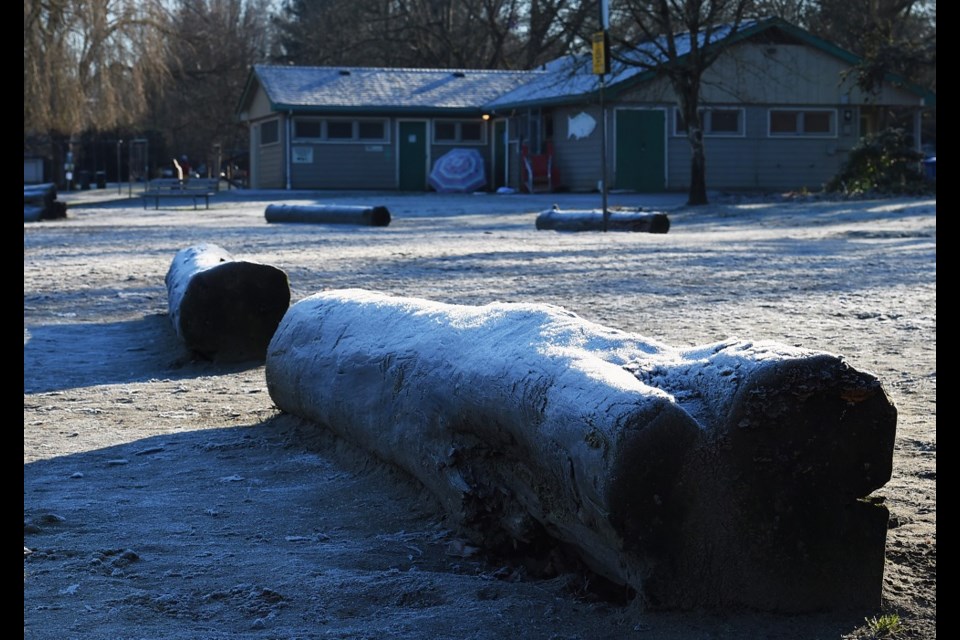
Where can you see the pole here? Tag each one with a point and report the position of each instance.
(601, 67)
(603, 156)
(119, 169)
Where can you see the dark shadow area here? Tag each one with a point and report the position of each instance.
(65, 356)
(219, 528)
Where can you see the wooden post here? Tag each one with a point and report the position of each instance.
(225, 309)
(733, 474)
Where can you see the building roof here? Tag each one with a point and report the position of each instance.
(571, 78)
(383, 90)
(566, 80)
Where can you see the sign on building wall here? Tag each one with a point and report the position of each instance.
(302, 155)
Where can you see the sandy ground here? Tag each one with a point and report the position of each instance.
(166, 497)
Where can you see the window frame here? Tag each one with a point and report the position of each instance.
(801, 123)
(706, 114)
(355, 129)
(275, 122)
(458, 131)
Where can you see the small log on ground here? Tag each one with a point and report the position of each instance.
(329, 214)
(733, 474)
(40, 203)
(222, 308)
(592, 220)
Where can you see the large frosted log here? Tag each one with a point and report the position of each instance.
(222, 308)
(328, 214)
(729, 474)
(646, 221)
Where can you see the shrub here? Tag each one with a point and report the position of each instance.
(884, 163)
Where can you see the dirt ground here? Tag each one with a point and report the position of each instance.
(166, 497)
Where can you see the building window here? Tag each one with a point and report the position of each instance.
(716, 122)
(803, 122)
(339, 130)
(471, 132)
(270, 132)
(375, 130)
(306, 129)
(458, 132)
(444, 131)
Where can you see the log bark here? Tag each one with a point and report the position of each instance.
(733, 474)
(644, 221)
(222, 308)
(329, 214)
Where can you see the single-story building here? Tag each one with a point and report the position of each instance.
(780, 112)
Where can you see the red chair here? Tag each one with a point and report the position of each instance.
(538, 172)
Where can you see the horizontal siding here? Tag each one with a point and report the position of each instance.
(271, 167)
(346, 166)
(776, 74)
(578, 159)
(759, 162)
(790, 74)
(259, 105)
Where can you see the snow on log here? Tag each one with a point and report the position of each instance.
(40, 203)
(225, 309)
(731, 474)
(648, 221)
(329, 214)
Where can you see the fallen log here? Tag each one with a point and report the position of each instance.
(328, 214)
(222, 308)
(733, 474)
(40, 203)
(592, 220)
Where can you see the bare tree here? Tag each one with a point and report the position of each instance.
(551, 28)
(209, 49)
(87, 63)
(470, 34)
(680, 39)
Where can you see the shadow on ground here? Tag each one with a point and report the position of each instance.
(66, 356)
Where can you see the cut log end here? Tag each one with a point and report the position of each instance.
(775, 509)
(229, 312)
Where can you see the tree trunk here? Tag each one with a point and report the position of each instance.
(698, 171)
(647, 221)
(225, 309)
(329, 214)
(724, 475)
(686, 84)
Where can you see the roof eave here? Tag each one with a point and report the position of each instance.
(386, 110)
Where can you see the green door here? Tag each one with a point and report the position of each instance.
(640, 159)
(413, 156)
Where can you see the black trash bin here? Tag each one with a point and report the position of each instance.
(101, 179)
(83, 179)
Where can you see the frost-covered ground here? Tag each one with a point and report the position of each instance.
(167, 498)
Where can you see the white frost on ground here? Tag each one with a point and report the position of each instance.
(105, 379)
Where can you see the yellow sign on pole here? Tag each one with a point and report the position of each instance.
(601, 59)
